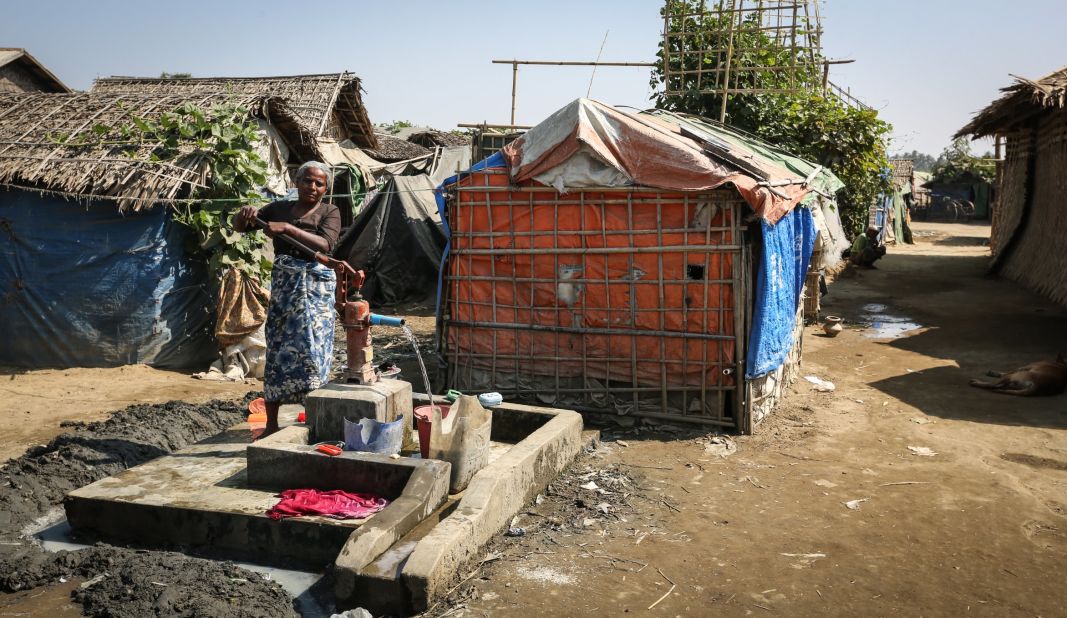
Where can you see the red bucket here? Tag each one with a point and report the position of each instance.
(424, 417)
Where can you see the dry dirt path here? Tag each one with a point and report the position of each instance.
(978, 529)
(34, 403)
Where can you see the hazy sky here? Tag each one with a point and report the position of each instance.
(926, 65)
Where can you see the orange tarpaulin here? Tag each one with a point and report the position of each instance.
(635, 286)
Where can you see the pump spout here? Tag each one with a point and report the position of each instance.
(385, 320)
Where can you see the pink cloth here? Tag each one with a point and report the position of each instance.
(335, 504)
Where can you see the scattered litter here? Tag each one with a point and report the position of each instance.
(622, 443)
(905, 483)
(95, 580)
(394, 456)
(922, 451)
(62, 580)
(539, 499)
(604, 508)
(823, 386)
(823, 483)
(909, 370)
(358, 612)
(918, 420)
(854, 505)
(588, 521)
(544, 575)
(720, 446)
(858, 400)
(516, 531)
(805, 556)
(591, 486)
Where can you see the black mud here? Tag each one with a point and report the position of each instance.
(124, 582)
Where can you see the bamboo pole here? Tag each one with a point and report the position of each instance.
(729, 60)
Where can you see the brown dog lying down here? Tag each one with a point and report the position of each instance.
(1040, 378)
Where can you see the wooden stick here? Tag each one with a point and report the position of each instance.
(668, 593)
(646, 467)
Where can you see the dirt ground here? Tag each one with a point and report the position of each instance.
(36, 402)
(828, 510)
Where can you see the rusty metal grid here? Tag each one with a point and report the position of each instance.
(537, 377)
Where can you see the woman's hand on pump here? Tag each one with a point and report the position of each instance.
(274, 228)
(246, 218)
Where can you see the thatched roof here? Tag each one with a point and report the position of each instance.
(431, 138)
(30, 64)
(48, 143)
(1023, 100)
(902, 172)
(392, 149)
(313, 97)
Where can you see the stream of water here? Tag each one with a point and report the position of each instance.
(418, 356)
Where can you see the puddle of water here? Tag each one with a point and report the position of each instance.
(881, 325)
(299, 584)
(53, 601)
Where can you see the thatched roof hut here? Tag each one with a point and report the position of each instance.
(47, 143)
(328, 105)
(392, 149)
(21, 72)
(1022, 102)
(1030, 216)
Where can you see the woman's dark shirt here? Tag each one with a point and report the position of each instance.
(324, 220)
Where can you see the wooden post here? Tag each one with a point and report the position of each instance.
(514, 81)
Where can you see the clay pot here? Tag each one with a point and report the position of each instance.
(831, 325)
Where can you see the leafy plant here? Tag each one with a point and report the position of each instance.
(850, 141)
(957, 163)
(392, 128)
(223, 137)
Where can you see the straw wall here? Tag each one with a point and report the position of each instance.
(1037, 259)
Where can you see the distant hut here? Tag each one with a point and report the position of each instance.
(93, 269)
(1030, 218)
(21, 72)
(890, 212)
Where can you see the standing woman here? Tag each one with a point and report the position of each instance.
(300, 320)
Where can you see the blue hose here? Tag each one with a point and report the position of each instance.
(385, 320)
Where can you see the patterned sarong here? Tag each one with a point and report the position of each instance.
(299, 330)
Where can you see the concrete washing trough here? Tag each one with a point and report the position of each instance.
(211, 498)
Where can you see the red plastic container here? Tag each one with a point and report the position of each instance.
(424, 418)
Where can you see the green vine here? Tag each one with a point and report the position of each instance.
(851, 141)
(225, 138)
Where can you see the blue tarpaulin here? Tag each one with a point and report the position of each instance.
(85, 286)
(493, 161)
(787, 248)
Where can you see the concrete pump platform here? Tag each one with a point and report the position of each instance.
(212, 498)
